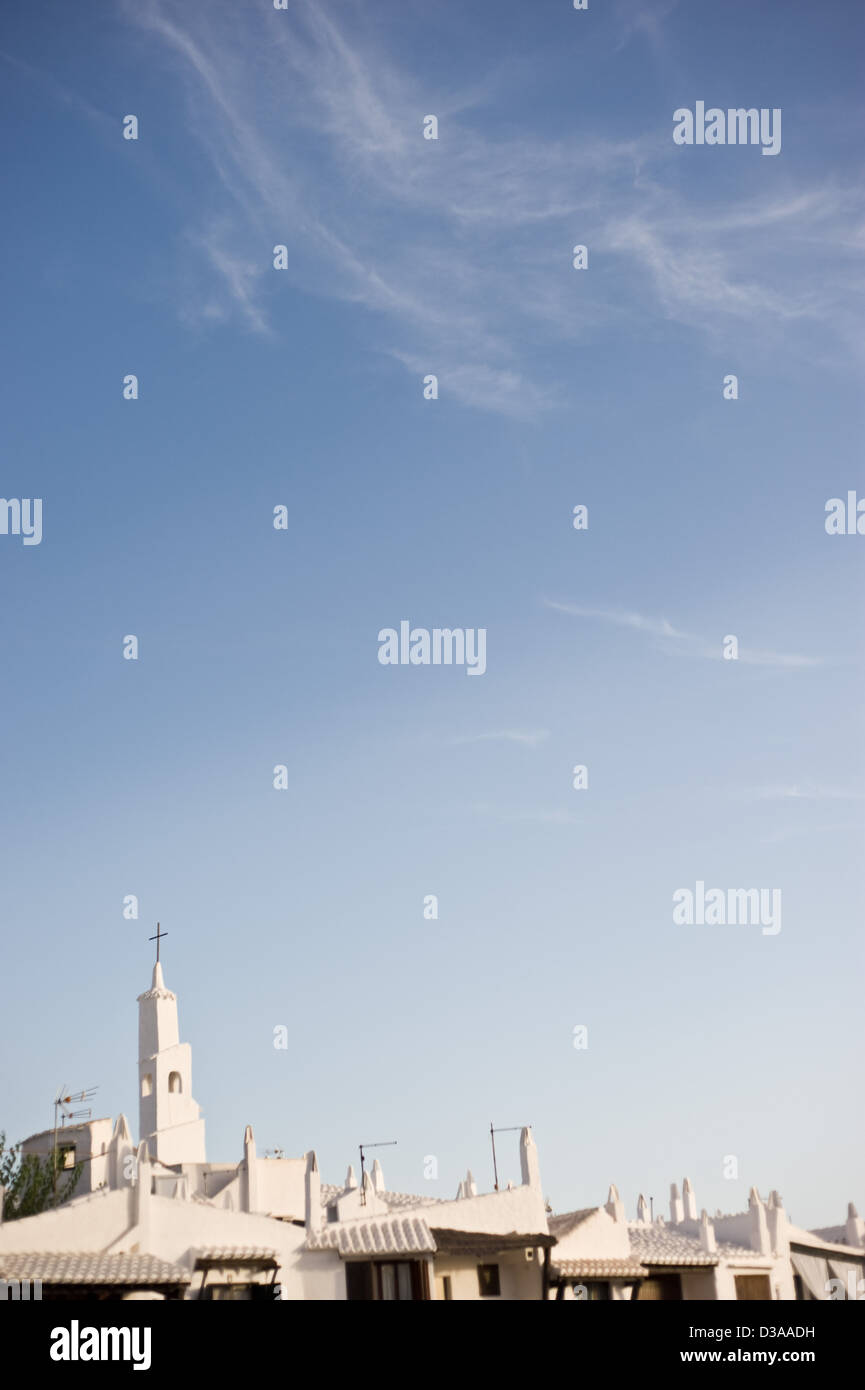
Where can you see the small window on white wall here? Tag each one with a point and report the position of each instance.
(147, 1085)
(174, 1082)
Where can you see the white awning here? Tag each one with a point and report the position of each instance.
(850, 1272)
(814, 1273)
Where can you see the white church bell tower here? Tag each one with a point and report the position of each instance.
(169, 1120)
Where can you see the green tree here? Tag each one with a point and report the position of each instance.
(29, 1181)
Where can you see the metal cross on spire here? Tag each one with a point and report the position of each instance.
(157, 938)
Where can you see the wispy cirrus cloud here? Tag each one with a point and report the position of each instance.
(458, 250)
(656, 627)
(661, 629)
(60, 91)
(754, 656)
(803, 792)
(750, 268)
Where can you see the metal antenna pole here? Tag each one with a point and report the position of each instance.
(506, 1129)
(54, 1150)
(61, 1103)
(384, 1144)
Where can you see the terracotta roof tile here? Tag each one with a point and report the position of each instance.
(385, 1235)
(77, 1267)
(567, 1220)
(598, 1269)
(236, 1254)
(451, 1242)
(662, 1245)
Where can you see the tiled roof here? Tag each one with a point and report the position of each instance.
(598, 1269)
(451, 1242)
(75, 1267)
(403, 1235)
(567, 1220)
(659, 1245)
(395, 1200)
(384, 1235)
(235, 1254)
(836, 1235)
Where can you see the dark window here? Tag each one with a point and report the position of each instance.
(265, 1293)
(233, 1292)
(595, 1291)
(447, 1290)
(402, 1281)
(389, 1289)
(488, 1281)
(663, 1287)
(359, 1281)
(752, 1287)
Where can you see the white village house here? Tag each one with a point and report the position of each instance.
(753, 1254)
(156, 1220)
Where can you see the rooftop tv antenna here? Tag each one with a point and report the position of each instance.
(504, 1129)
(383, 1144)
(63, 1103)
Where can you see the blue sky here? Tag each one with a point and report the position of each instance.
(259, 647)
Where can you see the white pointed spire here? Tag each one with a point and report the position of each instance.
(615, 1206)
(854, 1227)
(677, 1209)
(760, 1236)
(530, 1168)
(689, 1200)
(169, 1119)
(377, 1176)
(707, 1233)
(250, 1168)
(120, 1150)
(312, 1193)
